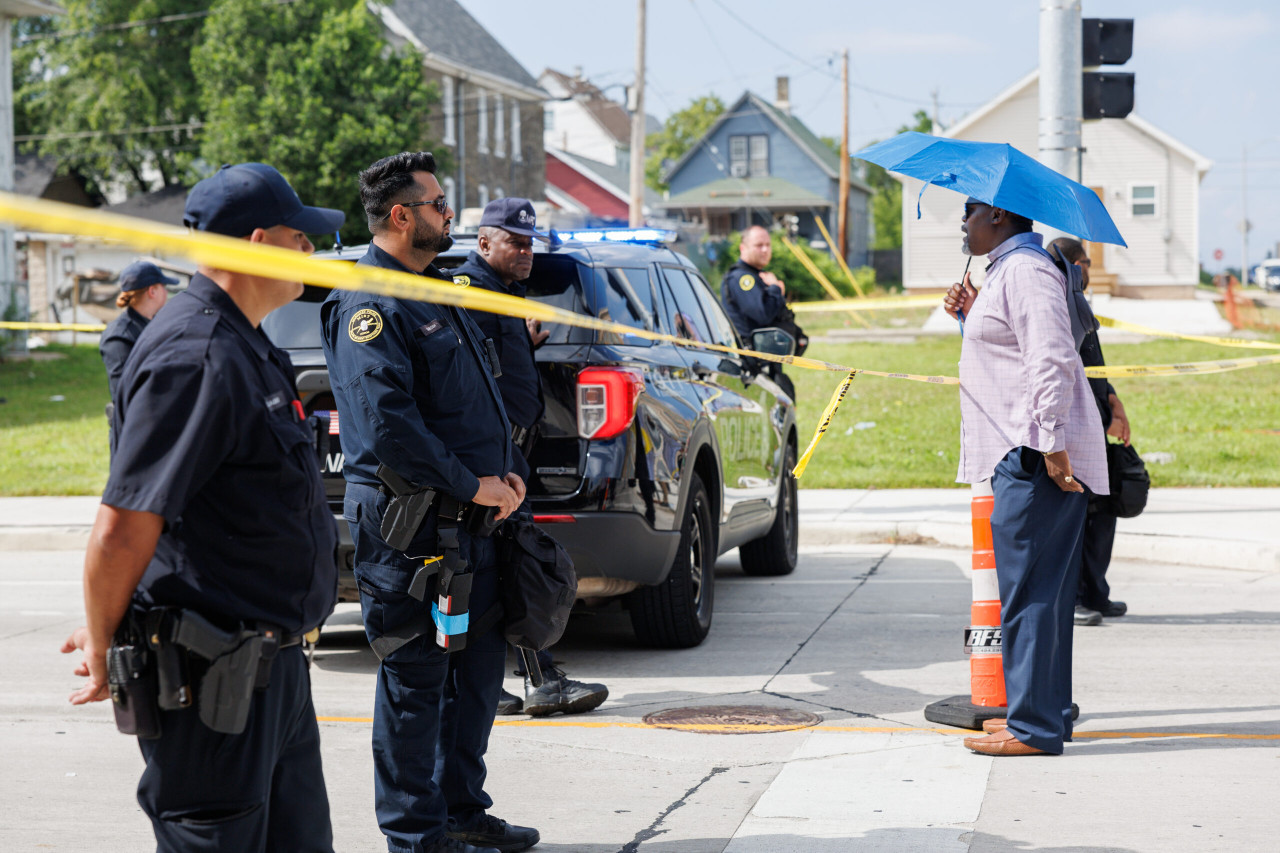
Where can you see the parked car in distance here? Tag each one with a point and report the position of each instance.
(651, 459)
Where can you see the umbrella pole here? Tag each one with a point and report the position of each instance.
(960, 312)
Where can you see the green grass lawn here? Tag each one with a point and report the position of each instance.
(1223, 430)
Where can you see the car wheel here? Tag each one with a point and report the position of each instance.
(775, 553)
(676, 614)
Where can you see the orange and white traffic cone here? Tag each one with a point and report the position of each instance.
(986, 699)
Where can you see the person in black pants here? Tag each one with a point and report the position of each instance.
(502, 260)
(1093, 597)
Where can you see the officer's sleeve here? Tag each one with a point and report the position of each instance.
(114, 353)
(374, 378)
(178, 426)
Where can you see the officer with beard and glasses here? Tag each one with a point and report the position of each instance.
(420, 411)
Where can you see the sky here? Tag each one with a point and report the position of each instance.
(1206, 73)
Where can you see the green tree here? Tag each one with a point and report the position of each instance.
(313, 89)
(886, 203)
(98, 94)
(680, 131)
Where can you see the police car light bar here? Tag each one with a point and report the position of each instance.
(618, 235)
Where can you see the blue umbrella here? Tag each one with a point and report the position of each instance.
(999, 175)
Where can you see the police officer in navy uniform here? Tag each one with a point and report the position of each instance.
(755, 299)
(416, 394)
(143, 292)
(502, 260)
(215, 504)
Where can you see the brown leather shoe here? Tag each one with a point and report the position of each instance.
(995, 724)
(1003, 743)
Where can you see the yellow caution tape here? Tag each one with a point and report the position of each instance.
(52, 327)
(823, 424)
(1187, 369)
(1204, 339)
(835, 253)
(830, 288)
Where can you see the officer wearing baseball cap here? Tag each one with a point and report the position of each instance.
(143, 292)
(503, 259)
(214, 514)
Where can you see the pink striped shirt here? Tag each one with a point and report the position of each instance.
(1021, 380)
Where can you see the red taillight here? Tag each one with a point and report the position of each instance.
(553, 519)
(607, 400)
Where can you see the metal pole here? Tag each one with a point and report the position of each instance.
(636, 212)
(8, 287)
(1244, 216)
(842, 215)
(1061, 100)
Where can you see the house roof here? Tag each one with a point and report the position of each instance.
(612, 178)
(610, 115)
(32, 174)
(452, 40)
(166, 205)
(745, 192)
(1202, 163)
(796, 130)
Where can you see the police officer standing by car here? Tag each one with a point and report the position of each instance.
(214, 534)
(502, 260)
(755, 299)
(420, 411)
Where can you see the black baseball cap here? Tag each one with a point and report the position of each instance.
(140, 274)
(514, 215)
(237, 199)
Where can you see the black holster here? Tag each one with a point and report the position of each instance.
(132, 678)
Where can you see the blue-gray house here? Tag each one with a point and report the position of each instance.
(760, 165)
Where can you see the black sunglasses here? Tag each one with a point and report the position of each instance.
(441, 205)
(971, 206)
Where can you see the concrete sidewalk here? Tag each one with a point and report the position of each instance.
(1222, 528)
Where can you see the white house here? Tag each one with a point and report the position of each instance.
(1149, 182)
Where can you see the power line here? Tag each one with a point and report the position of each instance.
(126, 131)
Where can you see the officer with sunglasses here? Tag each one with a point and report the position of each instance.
(416, 396)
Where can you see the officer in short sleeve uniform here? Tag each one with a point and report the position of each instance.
(415, 392)
(211, 437)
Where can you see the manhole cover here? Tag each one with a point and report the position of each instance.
(732, 719)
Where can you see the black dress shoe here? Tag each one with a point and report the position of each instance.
(1113, 608)
(508, 704)
(1087, 616)
(561, 693)
(488, 832)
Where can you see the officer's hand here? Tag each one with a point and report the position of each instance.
(536, 334)
(960, 298)
(1119, 420)
(495, 492)
(514, 481)
(1059, 468)
(76, 642)
(773, 281)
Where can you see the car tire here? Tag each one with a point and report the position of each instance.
(676, 614)
(776, 553)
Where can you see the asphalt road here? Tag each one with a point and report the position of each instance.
(1178, 745)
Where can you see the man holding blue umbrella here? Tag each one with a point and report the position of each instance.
(1028, 423)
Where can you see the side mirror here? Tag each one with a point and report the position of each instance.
(773, 341)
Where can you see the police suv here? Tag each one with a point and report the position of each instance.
(651, 459)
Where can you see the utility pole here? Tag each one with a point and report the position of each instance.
(1244, 216)
(842, 216)
(1061, 98)
(636, 215)
(935, 125)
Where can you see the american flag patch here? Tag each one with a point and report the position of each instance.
(333, 422)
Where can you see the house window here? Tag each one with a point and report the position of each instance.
(446, 104)
(517, 154)
(483, 190)
(760, 156)
(482, 135)
(450, 192)
(548, 119)
(499, 128)
(1142, 199)
(738, 165)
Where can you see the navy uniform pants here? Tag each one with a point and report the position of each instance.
(426, 699)
(1099, 536)
(1036, 531)
(261, 790)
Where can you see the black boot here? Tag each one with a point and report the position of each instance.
(561, 693)
(490, 832)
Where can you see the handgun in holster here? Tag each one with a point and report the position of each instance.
(406, 511)
(239, 660)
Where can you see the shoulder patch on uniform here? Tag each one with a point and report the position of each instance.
(462, 280)
(366, 324)
(747, 282)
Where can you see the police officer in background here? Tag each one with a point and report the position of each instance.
(215, 506)
(755, 299)
(502, 260)
(143, 292)
(416, 396)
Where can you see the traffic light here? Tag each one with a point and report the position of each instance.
(1106, 41)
